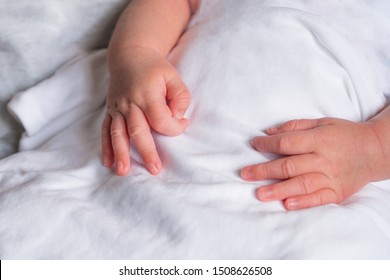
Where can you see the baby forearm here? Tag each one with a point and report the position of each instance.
(153, 24)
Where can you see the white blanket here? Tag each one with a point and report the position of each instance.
(249, 65)
(37, 37)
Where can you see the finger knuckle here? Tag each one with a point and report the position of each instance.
(305, 184)
(288, 168)
(328, 196)
(284, 145)
(292, 124)
(136, 130)
(116, 132)
(122, 105)
(321, 199)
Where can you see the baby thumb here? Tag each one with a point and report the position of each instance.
(178, 97)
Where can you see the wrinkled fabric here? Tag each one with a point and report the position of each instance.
(248, 66)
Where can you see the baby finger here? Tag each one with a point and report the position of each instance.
(301, 185)
(320, 197)
(141, 136)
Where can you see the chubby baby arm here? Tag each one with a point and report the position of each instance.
(145, 91)
(326, 160)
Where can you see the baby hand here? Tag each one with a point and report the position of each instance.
(145, 92)
(327, 160)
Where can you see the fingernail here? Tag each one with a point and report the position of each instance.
(247, 174)
(253, 142)
(120, 167)
(292, 203)
(265, 194)
(154, 168)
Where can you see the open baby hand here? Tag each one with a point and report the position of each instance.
(327, 160)
(145, 92)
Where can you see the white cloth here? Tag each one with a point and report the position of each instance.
(248, 67)
(79, 83)
(39, 36)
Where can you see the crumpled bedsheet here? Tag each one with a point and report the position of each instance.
(39, 36)
(249, 67)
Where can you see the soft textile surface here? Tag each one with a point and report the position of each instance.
(249, 65)
(38, 36)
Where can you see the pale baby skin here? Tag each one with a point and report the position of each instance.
(326, 160)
